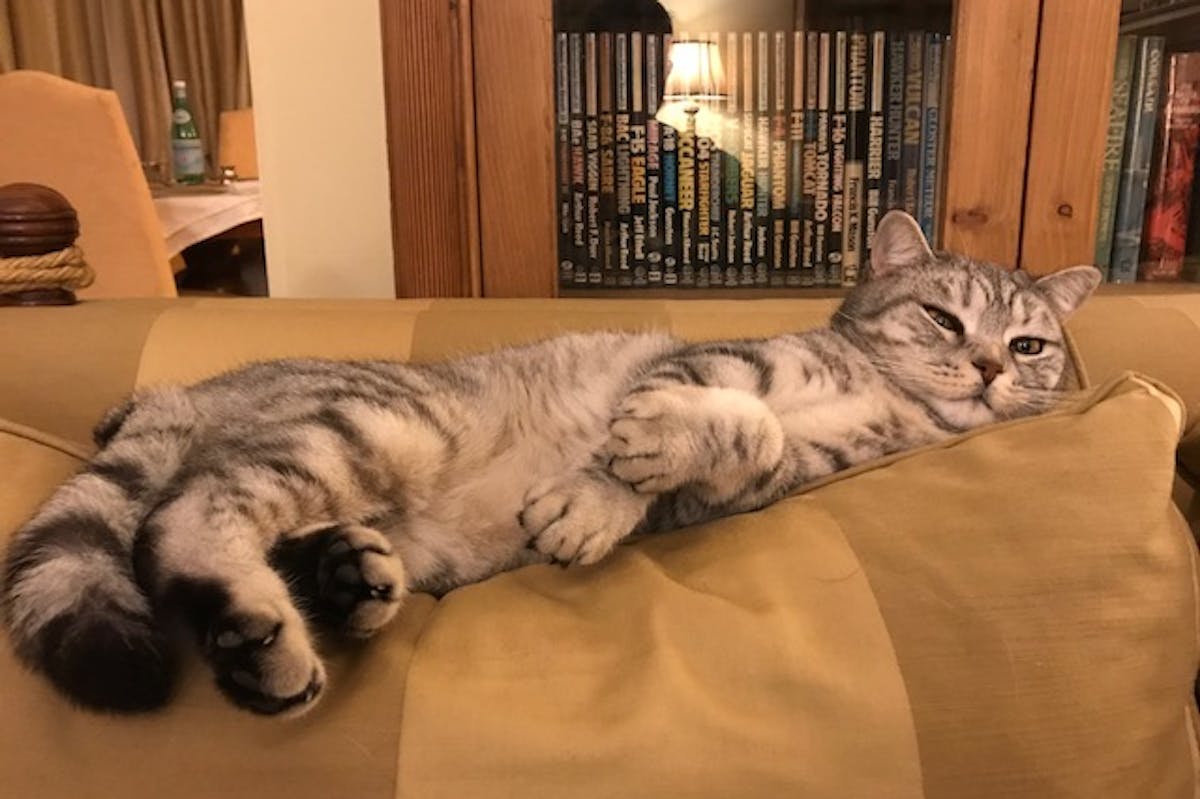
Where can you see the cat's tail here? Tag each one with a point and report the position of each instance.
(69, 598)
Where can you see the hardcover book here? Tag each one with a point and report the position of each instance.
(624, 167)
(591, 138)
(654, 195)
(748, 192)
(608, 165)
(837, 159)
(637, 156)
(875, 140)
(562, 102)
(1114, 145)
(930, 145)
(578, 161)
(914, 118)
(762, 161)
(808, 251)
(1170, 190)
(854, 191)
(779, 160)
(893, 130)
(796, 160)
(1135, 162)
(671, 249)
(821, 194)
(731, 171)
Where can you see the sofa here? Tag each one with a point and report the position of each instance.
(1012, 613)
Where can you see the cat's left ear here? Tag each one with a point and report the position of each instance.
(1066, 289)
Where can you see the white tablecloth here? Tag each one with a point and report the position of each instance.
(190, 215)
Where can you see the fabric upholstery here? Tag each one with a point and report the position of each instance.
(75, 139)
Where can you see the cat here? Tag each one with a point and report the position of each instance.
(292, 491)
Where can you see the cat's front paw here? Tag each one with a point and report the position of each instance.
(264, 660)
(651, 445)
(580, 519)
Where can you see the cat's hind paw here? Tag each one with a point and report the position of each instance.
(579, 520)
(360, 581)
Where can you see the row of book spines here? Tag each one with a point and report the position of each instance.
(1143, 208)
(796, 205)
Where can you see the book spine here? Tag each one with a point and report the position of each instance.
(1170, 192)
(704, 254)
(747, 193)
(1135, 167)
(875, 143)
(731, 171)
(808, 244)
(1114, 140)
(853, 240)
(779, 275)
(578, 162)
(654, 192)
(716, 186)
(608, 169)
(762, 161)
(591, 108)
(893, 126)
(931, 118)
(837, 159)
(562, 102)
(670, 192)
(796, 161)
(910, 154)
(624, 168)
(637, 155)
(821, 194)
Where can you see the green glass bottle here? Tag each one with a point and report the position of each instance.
(187, 151)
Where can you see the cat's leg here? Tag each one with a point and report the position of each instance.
(204, 560)
(721, 443)
(345, 575)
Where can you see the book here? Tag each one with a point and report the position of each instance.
(731, 170)
(624, 169)
(854, 191)
(1114, 141)
(893, 128)
(876, 93)
(779, 160)
(931, 121)
(762, 161)
(808, 243)
(703, 212)
(670, 193)
(654, 193)
(796, 163)
(1169, 193)
(591, 138)
(716, 186)
(578, 159)
(837, 158)
(608, 172)
(821, 190)
(562, 103)
(910, 152)
(1135, 160)
(747, 193)
(637, 156)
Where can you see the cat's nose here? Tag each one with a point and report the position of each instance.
(988, 369)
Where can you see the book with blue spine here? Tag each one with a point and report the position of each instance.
(1135, 169)
(930, 135)
(670, 192)
(914, 118)
(1114, 148)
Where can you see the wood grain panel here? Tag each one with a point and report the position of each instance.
(514, 107)
(1070, 117)
(994, 46)
(426, 44)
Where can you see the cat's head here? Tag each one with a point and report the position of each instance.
(979, 341)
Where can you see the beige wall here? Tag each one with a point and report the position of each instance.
(317, 76)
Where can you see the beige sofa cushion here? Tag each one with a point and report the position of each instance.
(947, 623)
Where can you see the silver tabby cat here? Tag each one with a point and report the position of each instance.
(290, 492)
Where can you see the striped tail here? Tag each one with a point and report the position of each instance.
(69, 599)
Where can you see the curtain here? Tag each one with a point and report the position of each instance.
(136, 48)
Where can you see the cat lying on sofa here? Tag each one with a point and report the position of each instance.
(297, 490)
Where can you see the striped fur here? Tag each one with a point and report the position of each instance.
(257, 502)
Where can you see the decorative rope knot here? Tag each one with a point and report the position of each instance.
(61, 269)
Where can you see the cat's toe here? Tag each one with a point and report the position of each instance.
(360, 581)
(579, 521)
(265, 663)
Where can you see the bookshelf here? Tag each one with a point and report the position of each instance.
(1025, 108)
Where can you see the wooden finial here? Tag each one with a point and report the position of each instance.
(35, 220)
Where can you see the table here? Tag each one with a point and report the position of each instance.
(191, 214)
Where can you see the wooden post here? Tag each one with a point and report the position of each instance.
(35, 220)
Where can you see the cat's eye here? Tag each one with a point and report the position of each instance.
(1026, 345)
(944, 319)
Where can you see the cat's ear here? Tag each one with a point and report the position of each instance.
(1066, 289)
(898, 243)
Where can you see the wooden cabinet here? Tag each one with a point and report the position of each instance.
(470, 90)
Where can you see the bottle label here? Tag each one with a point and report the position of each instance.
(180, 116)
(188, 157)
